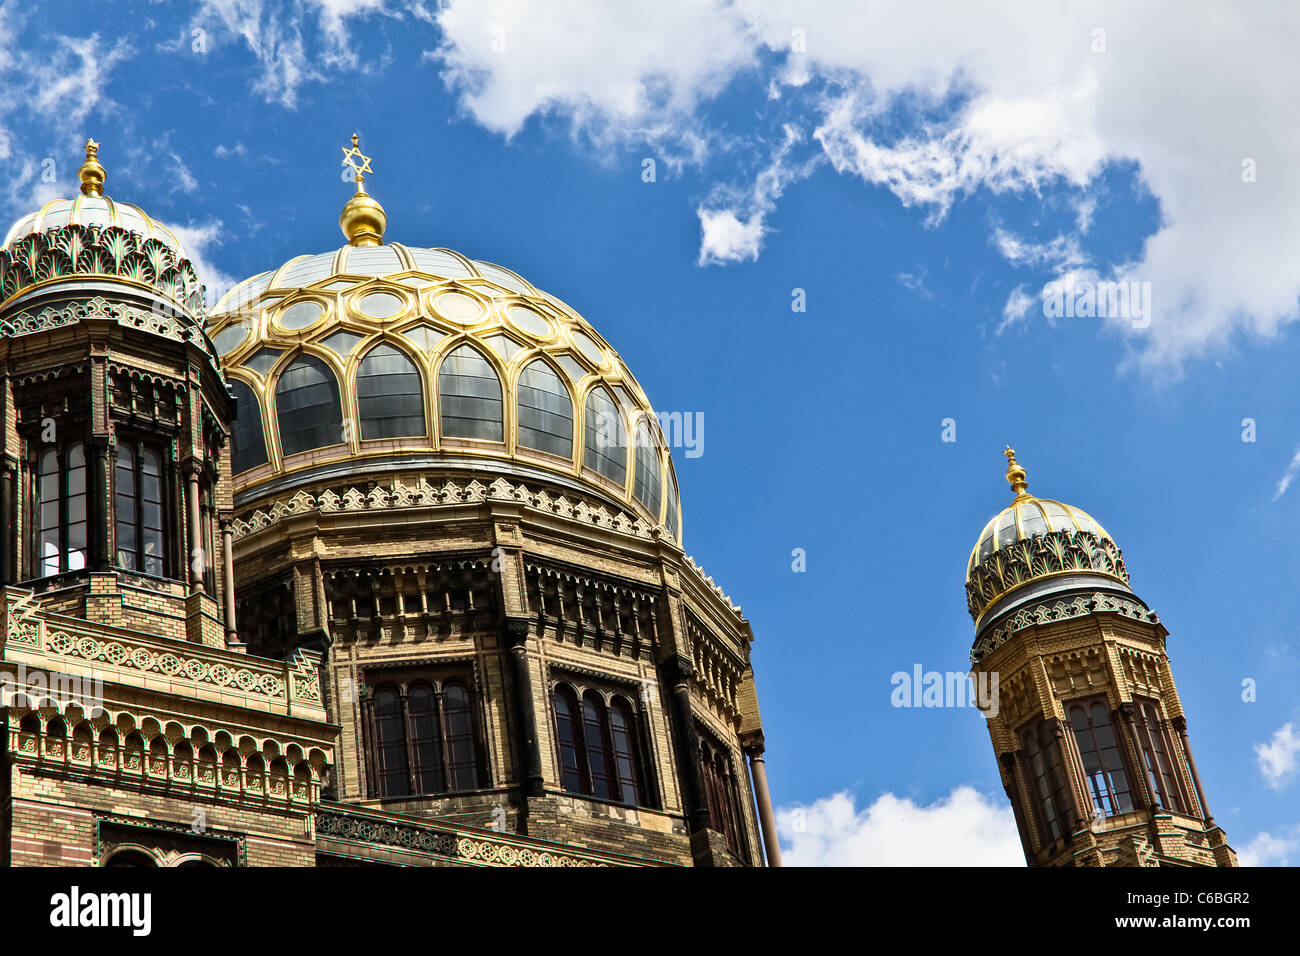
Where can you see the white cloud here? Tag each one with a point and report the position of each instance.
(962, 829)
(1288, 476)
(1279, 758)
(1017, 308)
(1020, 99)
(1269, 850)
(197, 241)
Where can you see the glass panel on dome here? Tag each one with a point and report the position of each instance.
(305, 270)
(986, 547)
(589, 349)
(376, 261)
(458, 307)
(670, 517)
(567, 362)
(262, 362)
(307, 406)
(505, 346)
(1057, 517)
(342, 343)
(545, 411)
(1031, 520)
(339, 284)
(438, 262)
(380, 305)
(248, 444)
(57, 217)
(229, 339)
(301, 314)
(425, 336)
(529, 321)
(1006, 528)
(503, 278)
(646, 486)
(390, 394)
(605, 437)
(94, 211)
(469, 396)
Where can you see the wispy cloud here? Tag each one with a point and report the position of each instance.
(1268, 849)
(1279, 759)
(1288, 476)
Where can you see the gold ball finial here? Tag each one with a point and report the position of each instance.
(1015, 473)
(362, 220)
(91, 174)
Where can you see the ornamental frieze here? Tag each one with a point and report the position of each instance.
(1030, 558)
(1060, 610)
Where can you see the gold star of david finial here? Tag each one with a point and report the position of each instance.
(351, 157)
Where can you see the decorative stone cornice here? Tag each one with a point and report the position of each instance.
(1060, 610)
(77, 251)
(1036, 557)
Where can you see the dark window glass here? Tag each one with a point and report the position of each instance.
(469, 396)
(126, 509)
(1043, 764)
(151, 512)
(720, 794)
(627, 759)
(76, 507)
(307, 406)
(545, 411)
(1157, 756)
(1099, 749)
(60, 510)
(670, 514)
(390, 745)
(646, 487)
(247, 442)
(571, 769)
(462, 751)
(138, 513)
(605, 438)
(426, 740)
(595, 730)
(390, 394)
(49, 478)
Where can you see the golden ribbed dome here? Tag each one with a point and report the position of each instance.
(1033, 539)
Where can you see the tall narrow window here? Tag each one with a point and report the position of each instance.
(60, 506)
(469, 396)
(1154, 742)
(598, 745)
(1047, 780)
(390, 394)
(426, 738)
(720, 792)
(647, 484)
(572, 771)
(247, 443)
(545, 411)
(605, 437)
(307, 406)
(1102, 765)
(138, 509)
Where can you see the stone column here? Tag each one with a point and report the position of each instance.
(196, 529)
(521, 689)
(766, 818)
(1180, 725)
(228, 567)
(678, 670)
(8, 524)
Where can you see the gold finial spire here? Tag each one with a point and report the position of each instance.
(91, 174)
(1016, 473)
(363, 220)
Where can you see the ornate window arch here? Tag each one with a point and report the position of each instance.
(598, 736)
(648, 482)
(722, 793)
(59, 502)
(545, 410)
(605, 436)
(469, 396)
(390, 394)
(307, 406)
(247, 440)
(140, 509)
(1099, 749)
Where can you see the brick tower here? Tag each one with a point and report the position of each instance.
(1088, 730)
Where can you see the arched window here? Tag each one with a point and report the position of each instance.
(1046, 781)
(670, 513)
(390, 749)
(138, 510)
(60, 511)
(599, 748)
(572, 767)
(1158, 755)
(469, 396)
(720, 791)
(247, 442)
(606, 437)
(426, 739)
(647, 483)
(1102, 766)
(307, 406)
(545, 411)
(390, 394)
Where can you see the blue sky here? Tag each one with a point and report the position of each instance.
(920, 177)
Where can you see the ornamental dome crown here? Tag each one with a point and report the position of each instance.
(380, 357)
(1037, 546)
